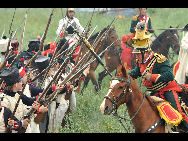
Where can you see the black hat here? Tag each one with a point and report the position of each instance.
(42, 62)
(27, 55)
(34, 44)
(11, 75)
(61, 59)
(62, 42)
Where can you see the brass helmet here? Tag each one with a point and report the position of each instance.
(70, 9)
(141, 40)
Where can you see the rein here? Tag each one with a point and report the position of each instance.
(108, 38)
(125, 91)
(173, 45)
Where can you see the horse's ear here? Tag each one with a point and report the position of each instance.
(177, 26)
(113, 27)
(124, 71)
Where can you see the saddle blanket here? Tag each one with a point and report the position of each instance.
(126, 56)
(169, 114)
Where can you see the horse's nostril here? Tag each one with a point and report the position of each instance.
(106, 108)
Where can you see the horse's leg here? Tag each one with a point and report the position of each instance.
(86, 80)
(93, 79)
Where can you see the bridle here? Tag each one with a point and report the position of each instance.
(170, 40)
(125, 92)
(172, 45)
(108, 39)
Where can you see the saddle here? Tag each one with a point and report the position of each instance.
(168, 113)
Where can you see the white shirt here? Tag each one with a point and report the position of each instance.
(63, 23)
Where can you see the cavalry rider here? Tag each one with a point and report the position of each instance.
(156, 71)
(127, 57)
(141, 17)
(68, 24)
(138, 18)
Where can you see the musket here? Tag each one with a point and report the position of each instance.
(67, 79)
(51, 82)
(10, 34)
(15, 59)
(6, 59)
(70, 77)
(89, 24)
(17, 103)
(87, 64)
(56, 78)
(22, 37)
(108, 28)
(44, 33)
(183, 29)
(43, 93)
(82, 47)
(92, 51)
(56, 58)
(18, 28)
(40, 49)
(48, 68)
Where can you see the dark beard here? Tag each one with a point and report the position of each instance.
(69, 17)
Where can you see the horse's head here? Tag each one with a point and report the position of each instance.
(118, 92)
(173, 40)
(111, 37)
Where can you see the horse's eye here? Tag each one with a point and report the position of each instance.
(112, 37)
(121, 87)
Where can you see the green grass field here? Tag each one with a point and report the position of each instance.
(88, 117)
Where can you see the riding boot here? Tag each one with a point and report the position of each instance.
(172, 97)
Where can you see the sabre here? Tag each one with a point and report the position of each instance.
(183, 29)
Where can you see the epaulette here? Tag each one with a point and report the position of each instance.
(149, 18)
(160, 58)
(135, 18)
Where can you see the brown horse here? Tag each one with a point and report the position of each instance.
(167, 39)
(141, 108)
(160, 45)
(106, 40)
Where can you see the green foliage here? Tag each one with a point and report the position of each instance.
(88, 117)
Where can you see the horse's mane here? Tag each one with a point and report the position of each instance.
(156, 43)
(151, 101)
(96, 34)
